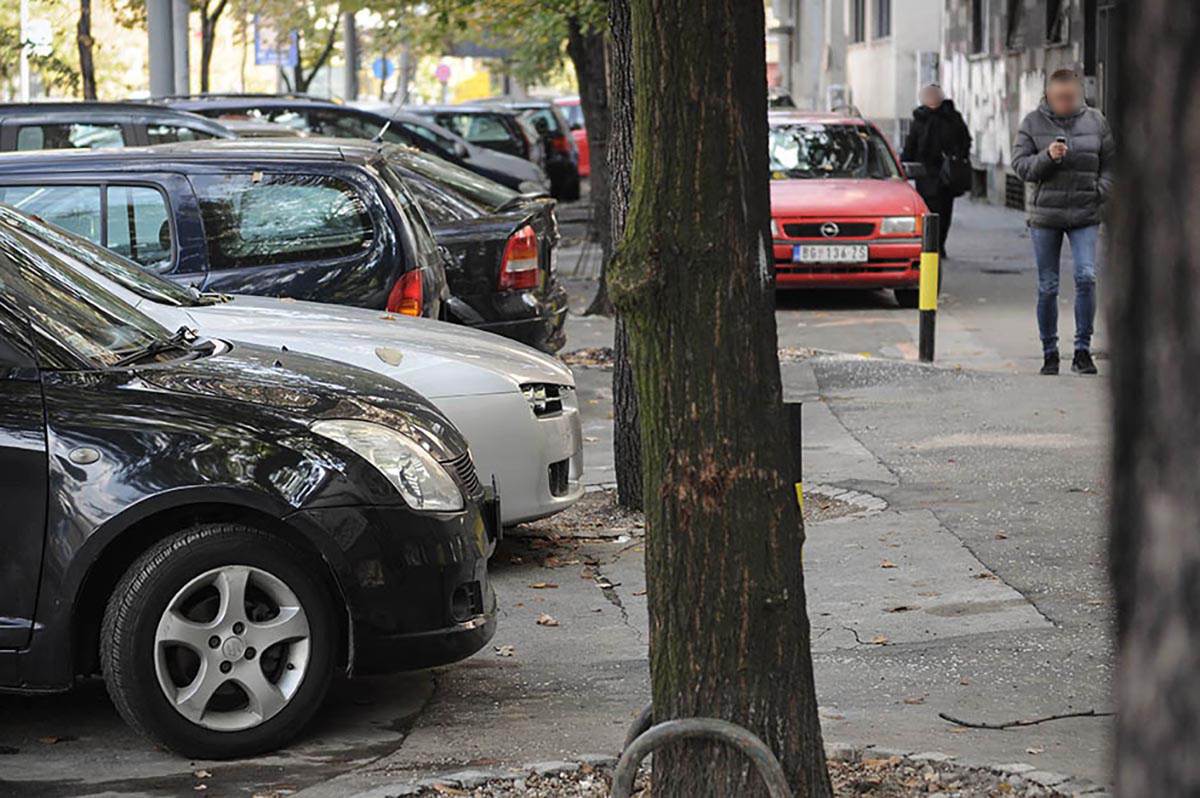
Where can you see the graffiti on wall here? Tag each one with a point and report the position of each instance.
(992, 105)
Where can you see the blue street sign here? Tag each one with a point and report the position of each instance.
(383, 68)
(270, 49)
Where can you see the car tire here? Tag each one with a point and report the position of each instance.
(907, 297)
(186, 668)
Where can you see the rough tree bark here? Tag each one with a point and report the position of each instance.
(83, 38)
(586, 49)
(208, 30)
(729, 633)
(1155, 274)
(627, 438)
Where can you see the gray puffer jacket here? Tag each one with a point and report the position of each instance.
(1070, 193)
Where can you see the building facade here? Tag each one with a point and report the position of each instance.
(995, 57)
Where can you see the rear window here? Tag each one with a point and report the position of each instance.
(543, 120)
(478, 189)
(258, 219)
(574, 115)
(69, 136)
(476, 128)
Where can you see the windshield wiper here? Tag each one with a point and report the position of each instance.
(183, 338)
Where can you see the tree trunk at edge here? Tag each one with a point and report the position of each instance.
(83, 38)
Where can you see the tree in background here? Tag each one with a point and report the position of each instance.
(1155, 547)
(729, 633)
(83, 38)
(210, 12)
(55, 70)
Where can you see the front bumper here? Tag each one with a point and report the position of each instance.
(526, 454)
(416, 584)
(889, 265)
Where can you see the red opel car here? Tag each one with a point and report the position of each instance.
(573, 111)
(843, 214)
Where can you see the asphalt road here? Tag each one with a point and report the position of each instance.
(974, 585)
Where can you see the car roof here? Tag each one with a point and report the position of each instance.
(217, 150)
(221, 102)
(77, 109)
(794, 117)
(465, 108)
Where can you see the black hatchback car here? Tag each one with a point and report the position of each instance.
(217, 528)
(562, 156)
(86, 125)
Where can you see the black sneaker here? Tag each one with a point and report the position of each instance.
(1082, 364)
(1050, 364)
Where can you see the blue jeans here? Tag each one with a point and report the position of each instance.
(1047, 251)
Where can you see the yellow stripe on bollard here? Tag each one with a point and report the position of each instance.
(927, 299)
(800, 495)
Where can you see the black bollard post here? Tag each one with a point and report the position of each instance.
(928, 296)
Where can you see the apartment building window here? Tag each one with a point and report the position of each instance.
(883, 19)
(978, 26)
(858, 20)
(1014, 36)
(1057, 21)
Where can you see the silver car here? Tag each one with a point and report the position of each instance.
(515, 405)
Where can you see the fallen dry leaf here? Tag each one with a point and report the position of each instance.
(543, 586)
(916, 699)
(902, 608)
(964, 680)
(201, 774)
(1035, 751)
(887, 564)
(1001, 536)
(505, 651)
(639, 592)
(545, 619)
(880, 640)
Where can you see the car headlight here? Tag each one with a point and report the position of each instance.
(421, 480)
(899, 224)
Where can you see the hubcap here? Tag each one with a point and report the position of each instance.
(232, 648)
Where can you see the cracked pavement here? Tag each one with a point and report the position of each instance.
(980, 591)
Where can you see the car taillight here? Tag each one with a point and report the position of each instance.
(406, 295)
(560, 144)
(519, 266)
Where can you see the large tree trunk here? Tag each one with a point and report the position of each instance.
(1155, 274)
(83, 38)
(627, 437)
(729, 633)
(586, 49)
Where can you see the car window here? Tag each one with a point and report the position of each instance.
(829, 151)
(74, 208)
(138, 226)
(574, 115)
(257, 219)
(476, 128)
(167, 134)
(479, 190)
(429, 134)
(543, 120)
(64, 311)
(441, 205)
(69, 136)
(412, 215)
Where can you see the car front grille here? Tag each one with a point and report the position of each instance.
(545, 398)
(464, 469)
(813, 229)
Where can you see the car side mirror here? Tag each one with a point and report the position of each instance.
(914, 170)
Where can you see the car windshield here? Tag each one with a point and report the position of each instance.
(83, 254)
(486, 193)
(829, 151)
(64, 311)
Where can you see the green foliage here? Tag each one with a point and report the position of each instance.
(58, 70)
(533, 31)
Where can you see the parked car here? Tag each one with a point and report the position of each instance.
(217, 527)
(502, 269)
(572, 110)
(86, 125)
(512, 171)
(317, 117)
(298, 219)
(517, 407)
(491, 127)
(258, 129)
(562, 158)
(842, 213)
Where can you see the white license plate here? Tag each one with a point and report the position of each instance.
(829, 253)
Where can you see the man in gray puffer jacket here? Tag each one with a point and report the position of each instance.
(1066, 151)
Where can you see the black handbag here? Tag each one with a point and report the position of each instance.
(956, 175)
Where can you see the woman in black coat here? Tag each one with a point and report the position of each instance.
(937, 130)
